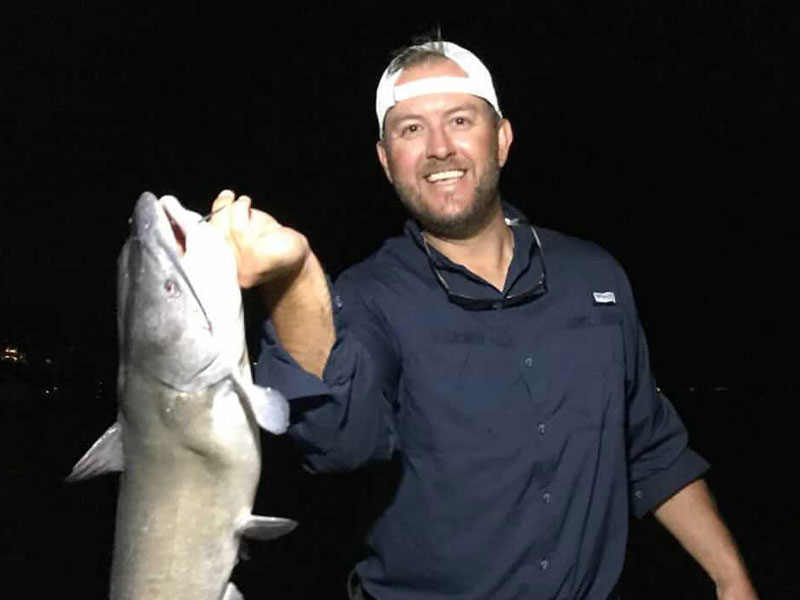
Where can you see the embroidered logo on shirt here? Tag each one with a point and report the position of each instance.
(604, 298)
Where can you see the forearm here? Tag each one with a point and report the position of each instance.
(692, 517)
(279, 262)
(300, 308)
(347, 420)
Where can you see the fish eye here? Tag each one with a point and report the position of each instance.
(172, 289)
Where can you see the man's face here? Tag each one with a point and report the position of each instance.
(443, 154)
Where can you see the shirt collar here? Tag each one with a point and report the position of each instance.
(520, 274)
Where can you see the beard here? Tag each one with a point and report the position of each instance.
(463, 224)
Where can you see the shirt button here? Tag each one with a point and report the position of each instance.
(639, 494)
(542, 428)
(529, 362)
(547, 497)
(543, 564)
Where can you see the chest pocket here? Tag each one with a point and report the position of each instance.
(582, 371)
(464, 390)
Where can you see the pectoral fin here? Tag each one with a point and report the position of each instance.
(232, 593)
(104, 456)
(266, 528)
(270, 408)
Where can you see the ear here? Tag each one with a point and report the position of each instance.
(384, 160)
(505, 135)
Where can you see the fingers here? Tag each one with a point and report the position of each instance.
(239, 214)
(220, 217)
(262, 247)
(224, 198)
(234, 216)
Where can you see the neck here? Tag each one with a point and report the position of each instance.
(487, 253)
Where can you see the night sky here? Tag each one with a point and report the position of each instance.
(666, 132)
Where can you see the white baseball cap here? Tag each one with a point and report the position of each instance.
(478, 81)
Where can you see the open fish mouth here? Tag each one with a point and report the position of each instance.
(178, 232)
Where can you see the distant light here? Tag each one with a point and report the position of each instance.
(12, 354)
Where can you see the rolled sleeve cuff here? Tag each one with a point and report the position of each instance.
(276, 368)
(651, 491)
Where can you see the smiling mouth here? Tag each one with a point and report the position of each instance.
(445, 176)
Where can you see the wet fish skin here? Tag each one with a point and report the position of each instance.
(187, 432)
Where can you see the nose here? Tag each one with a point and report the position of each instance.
(439, 143)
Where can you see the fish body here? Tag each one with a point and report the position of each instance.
(187, 432)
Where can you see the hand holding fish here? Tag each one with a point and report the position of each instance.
(264, 249)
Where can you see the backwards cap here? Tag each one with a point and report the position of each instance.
(478, 81)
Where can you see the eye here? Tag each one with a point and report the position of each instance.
(172, 289)
(461, 122)
(410, 129)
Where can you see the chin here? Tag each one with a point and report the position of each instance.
(456, 220)
(453, 216)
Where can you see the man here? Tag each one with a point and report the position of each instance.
(502, 364)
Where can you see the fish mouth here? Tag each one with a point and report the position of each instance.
(177, 231)
(161, 222)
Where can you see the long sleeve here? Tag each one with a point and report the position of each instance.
(660, 461)
(345, 419)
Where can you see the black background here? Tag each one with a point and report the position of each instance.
(666, 132)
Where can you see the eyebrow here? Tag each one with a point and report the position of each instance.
(414, 116)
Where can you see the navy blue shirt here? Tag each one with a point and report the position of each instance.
(527, 433)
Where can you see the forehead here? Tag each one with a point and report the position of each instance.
(431, 103)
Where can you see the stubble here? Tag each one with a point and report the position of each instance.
(460, 224)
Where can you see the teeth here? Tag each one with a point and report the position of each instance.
(434, 177)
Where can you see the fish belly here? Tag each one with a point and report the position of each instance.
(176, 530)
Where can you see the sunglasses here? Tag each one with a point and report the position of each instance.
(472, 303)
